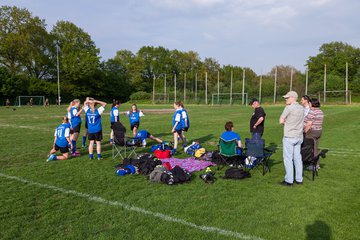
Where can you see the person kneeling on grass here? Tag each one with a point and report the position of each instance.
(61, 141)
(142, 135)
(93, 116)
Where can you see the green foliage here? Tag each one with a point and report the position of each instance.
(140, 96)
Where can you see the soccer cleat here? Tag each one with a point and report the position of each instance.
(52, 158)
(173, 152)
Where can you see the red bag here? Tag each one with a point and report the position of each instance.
(162, 154)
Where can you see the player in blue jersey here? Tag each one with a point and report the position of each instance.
(185, 121)
(229, 135)
(134, 116)
(177, 124)
(61, 141)
(114, 117)
(142, 135)
(93, 116)
(74, 117)
(83, 145)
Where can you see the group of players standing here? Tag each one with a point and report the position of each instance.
(67, 133)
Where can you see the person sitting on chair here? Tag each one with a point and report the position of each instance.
(142, 135)
(229, 134)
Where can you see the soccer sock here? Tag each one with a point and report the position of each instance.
(184, 143)
(99, 155)
(91, 156)
(74, 146)
(84, 140)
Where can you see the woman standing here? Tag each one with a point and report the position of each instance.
(313, 125)
(93, 116)
(74, 112)
(114, 117)
(134, 116)
(177, 123)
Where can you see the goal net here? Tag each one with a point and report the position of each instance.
(341, 96)
(29, 101)
(227, 98)
(161, 98)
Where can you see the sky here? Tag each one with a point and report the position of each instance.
(259, 34)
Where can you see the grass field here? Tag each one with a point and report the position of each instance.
(84, 199)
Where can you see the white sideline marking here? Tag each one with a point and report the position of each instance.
(134, 209)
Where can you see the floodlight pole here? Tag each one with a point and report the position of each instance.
(58, 72)
(164, 88)
(231, 86)
(260, 88)
(275, 79)
(218, 87)
(291, 79)
(175, 88)
(184, 87)
(195, 87)
(306, 81)
(347, 84)
(206, 100)
(324, 84)
(243, 88)
(153, 88)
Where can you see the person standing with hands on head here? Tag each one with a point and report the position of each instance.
(93, 116)
(114, 117)
(257, 120)
(293, 119)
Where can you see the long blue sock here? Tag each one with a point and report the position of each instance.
(74, 146)
(84, 141)
(91, 156)
(99, 155)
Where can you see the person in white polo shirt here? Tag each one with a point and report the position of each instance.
(293, 119)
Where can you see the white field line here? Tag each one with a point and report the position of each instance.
(134, 209)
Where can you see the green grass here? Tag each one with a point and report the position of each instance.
(327, 208)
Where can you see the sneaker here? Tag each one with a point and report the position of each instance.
(84, 147)
(298, 183)
(74, 155)
(173, 152)
(284, 183)
(51, 158)
(91, 158)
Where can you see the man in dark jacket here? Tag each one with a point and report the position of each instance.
(257, 120)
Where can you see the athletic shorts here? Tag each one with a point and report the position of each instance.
(86, 126)
(62, 149)
(136, 124)
(75, 129)
(95, 136)
(179, 131)
(111, 125)
(185, 129)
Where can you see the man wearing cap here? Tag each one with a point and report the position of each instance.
(257, 120)
(293, 119)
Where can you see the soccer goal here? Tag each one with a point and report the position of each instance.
(341, 96)
(161, 98)
(29, 101)
(227, 98)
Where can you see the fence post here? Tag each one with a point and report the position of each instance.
(206, 100)
(275, 79)
(243, 88)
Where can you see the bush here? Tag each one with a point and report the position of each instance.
(140, 96)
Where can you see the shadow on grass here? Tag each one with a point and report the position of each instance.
(204, 139)
(318, 230)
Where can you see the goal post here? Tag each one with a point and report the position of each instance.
(29, 101)
(229, 98)
(335, 96)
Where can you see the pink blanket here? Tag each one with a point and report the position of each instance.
(190, 164)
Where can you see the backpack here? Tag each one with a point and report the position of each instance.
(192, 148)
(155, 175)
(162, 154)
(199, 152)
(160, 147)
(236, 173)
(180, 174)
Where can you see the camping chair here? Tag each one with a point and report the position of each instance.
(308, 157)
(228, 152)
(257, 155)
(123, 146)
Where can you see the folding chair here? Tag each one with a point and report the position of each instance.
(123, 146)
(258, 155)
(308, 156)
(228, 152)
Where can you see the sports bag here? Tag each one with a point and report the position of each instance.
(155, 175)
(236, 173)
(162, 154)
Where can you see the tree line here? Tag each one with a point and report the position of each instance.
(29, 55)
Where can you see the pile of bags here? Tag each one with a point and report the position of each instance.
(151, 166)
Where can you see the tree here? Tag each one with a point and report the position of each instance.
(25, 45)
(79, 60)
